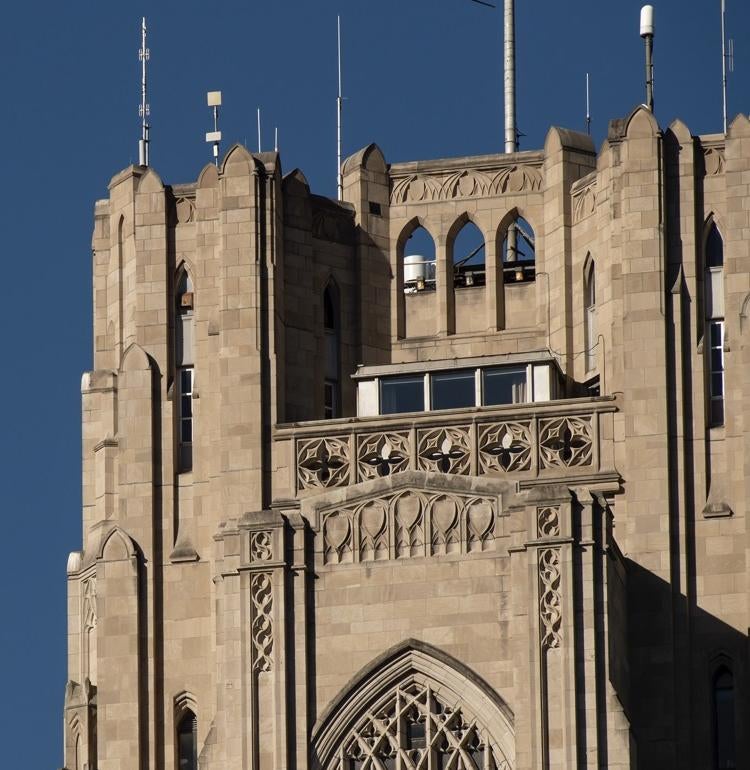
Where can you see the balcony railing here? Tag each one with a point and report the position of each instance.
(555, 439)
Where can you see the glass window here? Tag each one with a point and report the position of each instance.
(503, 386)
(716, 372)
(186, 419)
(453, 390)
(402, 394)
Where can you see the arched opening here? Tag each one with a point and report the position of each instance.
(187, 741)
(399, 715)
(518, 251)
(419, 261)
(589, 313)
(724, 748)
(184, 369)
(417, 282)
(332, 352)
(468, 257)
(713, 301)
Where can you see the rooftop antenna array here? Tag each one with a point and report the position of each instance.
(143, 110)
(647, 33)
(213, 99)
(339, 112)
(727, 59)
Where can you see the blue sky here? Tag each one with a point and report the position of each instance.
(423, 79)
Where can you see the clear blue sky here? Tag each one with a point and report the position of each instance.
(423, 79)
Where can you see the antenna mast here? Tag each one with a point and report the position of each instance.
(727, 59)
(213, 99)
(511, 134)
(339, 111)
(144, 111)
(647, 33)
(588, 107)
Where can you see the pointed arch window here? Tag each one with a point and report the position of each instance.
(713, 301)
(468, 256)
(332, 334)
(415, 727)
(184, 369)
(725, 757)
(589, 314)
(187, 741)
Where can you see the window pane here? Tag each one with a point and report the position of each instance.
(186, 430)
(717, 384)
(716, 335)
(454, 390)
(187, 406)
(503, 386)
(402, 394)
(186, 380)
(717, 360)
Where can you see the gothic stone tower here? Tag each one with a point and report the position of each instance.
(345, 507)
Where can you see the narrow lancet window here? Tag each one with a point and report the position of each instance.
(184, 371)
(724, 743)
(713, 289)
(187, 742)
(419, 262)
(589, 314)
(332, 333)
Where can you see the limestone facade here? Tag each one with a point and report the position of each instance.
(270, 580)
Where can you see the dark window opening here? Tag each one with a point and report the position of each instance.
(375, 209)
(453, 390)
(187, 742)
(184, 371)
(503, 386)
(332, 352)
(724, 740)
(416, 737)
(402, 394)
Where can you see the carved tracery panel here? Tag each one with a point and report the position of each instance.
(565, 442)
(413, 728)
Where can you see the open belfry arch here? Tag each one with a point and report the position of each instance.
(449, 474)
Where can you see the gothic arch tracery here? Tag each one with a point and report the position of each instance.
(416, 708)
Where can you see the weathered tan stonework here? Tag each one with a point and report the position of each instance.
(555, 583)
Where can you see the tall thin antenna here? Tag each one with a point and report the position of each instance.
(588, 106)
(339, 111)
(213, 99)
(647, 33)
(144, 110)
(511, 133)
(727, 60)
(259, 142)
(276, 139)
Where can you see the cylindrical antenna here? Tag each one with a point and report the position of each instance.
(588, 106)
(213, 99)
(259, 142)
(276, 139)
(144, 110)
(647, 33)
(339, 111)
(511, 134)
